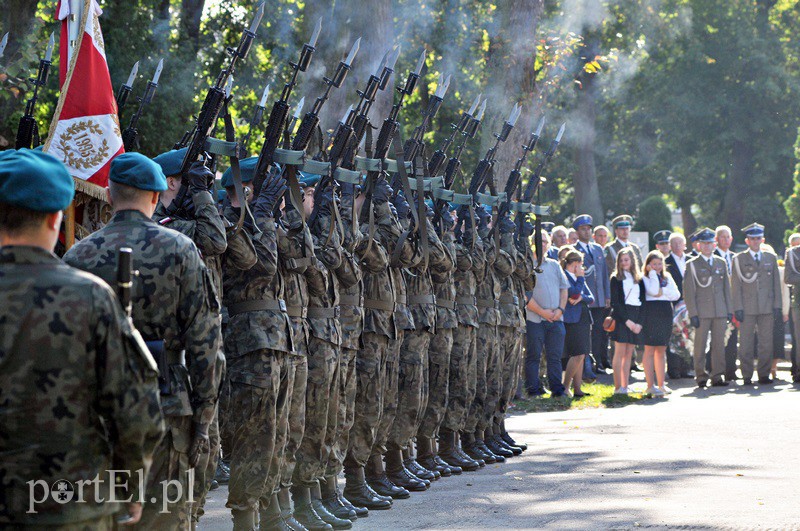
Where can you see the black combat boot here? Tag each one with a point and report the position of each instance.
(426, 456)
(480, 443)
(243, 520)
(507, 438)
(492, 437)
(304, 512)
(287, 510)
(223, 474)
(357, 492)
(377, 480)
(448, 451)
(331, 499)
(400, 476)
(325, 514)
(269, 517)
(454, 470)
(418, 470)
(474, 451)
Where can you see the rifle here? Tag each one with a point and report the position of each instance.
(515, 176)
(28, 130)
(481, 176)
(438, 157)
(298, 110)
(3, 44)
(258, 115)
(387, 132)
(280, 112)
(126, 88)
(130, 136)
(212, 106)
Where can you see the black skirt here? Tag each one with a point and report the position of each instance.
(578, 340)
(623, 334)
(656, 323)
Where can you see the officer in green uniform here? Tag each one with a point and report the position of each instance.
(80, 392)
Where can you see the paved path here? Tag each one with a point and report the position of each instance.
(712, 459)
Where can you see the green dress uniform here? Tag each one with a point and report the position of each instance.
(791, 276)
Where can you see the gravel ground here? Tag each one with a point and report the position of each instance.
(710, 459)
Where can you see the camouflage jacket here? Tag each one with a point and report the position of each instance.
(173, 299)
(504, 269)
(379, 296)
(421, 299)
(324, 308)
(466, 280)
(248, 331)
(488, 287)
(443, 285)
(524, 277)
(78, 397)
(351, 283)
(296, 261)
(390, 231)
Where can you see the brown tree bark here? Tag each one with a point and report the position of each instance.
(191, 16)
(587, 192)
(739, 178)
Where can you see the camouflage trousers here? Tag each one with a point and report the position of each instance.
(321, 409)
(346, 412)
(101, 523)
(510, 341)
(297, 401)
(438, 382)
(207, 468)
(258, 388)
(370, 377)
(412, 388)
(390, 383)
(485, 352)
(170, 464)
(462, 381)
(281, 432)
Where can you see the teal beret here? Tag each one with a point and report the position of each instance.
(247, 167)
(137, 171)
(34, 180)
(309, 179)
(171, 161)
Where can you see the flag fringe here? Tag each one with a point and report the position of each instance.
(90, 189)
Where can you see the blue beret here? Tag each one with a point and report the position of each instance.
(34, 180)
(247, 167)
(548, 226)
(40, 147)
(171, 161)
(705, 235)
(662, 236)
(582, 220)
(137, 171)
(309, 179)
(452, 206)
(429, 202)
(754, 230)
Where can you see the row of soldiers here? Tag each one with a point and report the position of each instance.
(344, 348)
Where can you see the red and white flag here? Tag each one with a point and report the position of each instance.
(85, 132)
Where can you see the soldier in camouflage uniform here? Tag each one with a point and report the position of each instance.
(440, 348)
(176, 309)
(378, 328)
(463, 375)
(258, 340)
(80, 392)
(213, 235)
(413, 380)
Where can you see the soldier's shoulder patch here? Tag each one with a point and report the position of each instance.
(165, 221)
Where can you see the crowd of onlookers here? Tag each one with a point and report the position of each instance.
(598, 305)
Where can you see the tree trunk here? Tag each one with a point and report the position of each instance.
(739, 179)
(685, 202)
(191, 16)
(587, 191)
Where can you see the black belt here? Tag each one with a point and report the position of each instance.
(469, 300)
(297, 311)
(323, 313)
(351, 300)
(277, 305)
(377, 304)
(444, 303)
(422, 299)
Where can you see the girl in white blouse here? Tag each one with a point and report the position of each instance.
(660, 292)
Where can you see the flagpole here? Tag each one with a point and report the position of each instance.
(74, 29)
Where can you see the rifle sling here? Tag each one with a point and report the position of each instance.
(230, 137)
(422, 209)
(401, 166)
(367, 200)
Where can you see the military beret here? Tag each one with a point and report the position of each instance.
(754, 230)
(548, 226)
(662, 236)
(137, 171)
(247, 168)
(309, 179)
(40, 147)
(584, 219)
(171, 161)
(622, 221)
(704, 235)
(35, 181)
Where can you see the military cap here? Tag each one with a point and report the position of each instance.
(583, 219)
(704, 235)
(35, 181)
(309, 179)
(754, 230)
(622, 221)
(662, 236)
(171, 161)
(693, 236)
(247, 168)
(548, 226)
(137, 171)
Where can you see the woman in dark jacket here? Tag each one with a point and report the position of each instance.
(627, 297)
(577, 320)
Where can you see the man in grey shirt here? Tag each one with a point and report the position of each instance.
(545, 327)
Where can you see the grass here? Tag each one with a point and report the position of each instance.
(601, 396)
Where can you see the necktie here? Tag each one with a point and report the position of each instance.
(710, 262)
(758, 259)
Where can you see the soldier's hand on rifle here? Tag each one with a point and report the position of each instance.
(348, 190)
(199, 178)
(271, 193)
(325, 205)
(483, 217)
(382, 192)
(506, 226)
(403, 209)
(527, 229)
(447, 220)
(200, 444)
